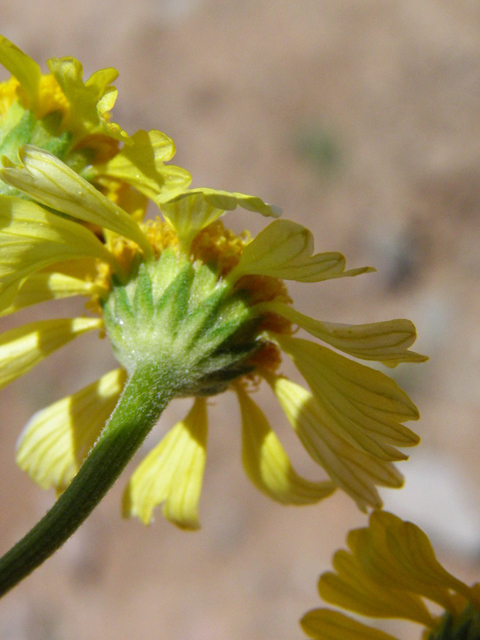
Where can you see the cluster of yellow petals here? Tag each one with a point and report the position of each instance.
(390, 571)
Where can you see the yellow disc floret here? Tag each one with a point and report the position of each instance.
(218, 249)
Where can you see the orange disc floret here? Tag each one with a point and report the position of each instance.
(219, 246)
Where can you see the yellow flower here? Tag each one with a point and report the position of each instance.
(70, 118)
(389, 571)
(211, 309)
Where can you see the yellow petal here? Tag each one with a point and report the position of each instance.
(326, 624)
(81, 269)
(130, 200)
(350, 588)
(385, 342)
(284, 250)
(190, 211)
(22, 67)
(355, 472)
(365, 406)
(48, 180)
(142, 164)
(56, 440)
(24, 347)
(44, 286)
(172, 473)
(400, 554)
(266, 463)
(32, 238)
(91, 101)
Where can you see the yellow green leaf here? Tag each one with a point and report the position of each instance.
(172, 473)
(24, 347)
(266, 463)
(56, 440)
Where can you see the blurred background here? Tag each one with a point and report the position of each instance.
(361, 120)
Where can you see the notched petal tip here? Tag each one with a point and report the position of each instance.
(172, 474)
(284, 249)
(387, 342)
(267, 464)
(56, 440)
(188, 211)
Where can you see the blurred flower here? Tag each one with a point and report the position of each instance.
(188, 296)
(70, 118)
(389, 571)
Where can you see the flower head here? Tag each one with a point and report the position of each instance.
(190, 296)
(70, 118)
(389, 572)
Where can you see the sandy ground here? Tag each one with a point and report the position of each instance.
(360, 119)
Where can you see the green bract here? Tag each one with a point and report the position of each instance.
(180, 317)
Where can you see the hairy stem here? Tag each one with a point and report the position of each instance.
(145, 396)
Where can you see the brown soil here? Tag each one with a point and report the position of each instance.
(361, 120)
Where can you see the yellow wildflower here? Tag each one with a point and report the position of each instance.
(389, 571)
(211, 308)
(70, 118)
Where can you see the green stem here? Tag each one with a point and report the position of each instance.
(145, 396)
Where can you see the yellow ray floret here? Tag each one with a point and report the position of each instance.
(266, 463)
(333, 625)
(56, 440)
(172, 473)
(85, 105)
(284, 250)
(190, 211)
(48, 180)
(402, 554)
(24, 347)
(141, 165)
(21, 67)
(355, 472)
(389, 572)
(47, 285)
(363, 405)
(385, 342)
(91, 101)
(32, 238)
(351, 588)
